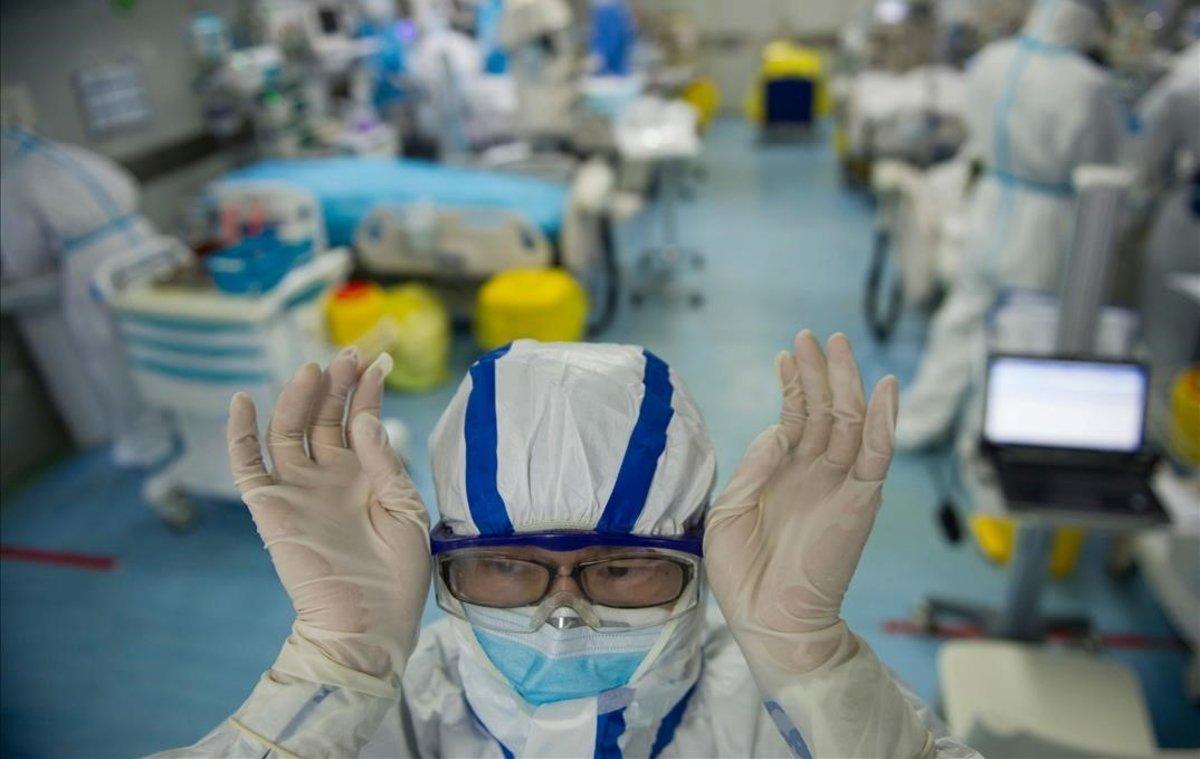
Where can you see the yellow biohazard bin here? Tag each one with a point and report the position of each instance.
(1185, 417)
(996, 537)
(791, 89)
(544, 304)
(410, 322)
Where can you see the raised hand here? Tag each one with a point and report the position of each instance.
(346, 529)
(783, 540)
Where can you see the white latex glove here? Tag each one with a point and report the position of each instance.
(782, 543)
(345, 527)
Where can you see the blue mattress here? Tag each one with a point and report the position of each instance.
(347, 188)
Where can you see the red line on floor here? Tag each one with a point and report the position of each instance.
(94, 562)
(1106, 640)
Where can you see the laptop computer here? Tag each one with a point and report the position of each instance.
(1069, 436)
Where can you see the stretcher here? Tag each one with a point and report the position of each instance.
(191, 347)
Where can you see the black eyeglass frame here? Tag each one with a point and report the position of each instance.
(444, 561)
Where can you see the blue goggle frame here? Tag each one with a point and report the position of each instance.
(441, 539)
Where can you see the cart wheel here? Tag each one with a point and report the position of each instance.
(922, 617)
(696, 300)
(176, 510)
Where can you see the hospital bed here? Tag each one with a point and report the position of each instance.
(191, 347)
(409, 218)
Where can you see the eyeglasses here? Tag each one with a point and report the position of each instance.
(497, 581)
(628, 589)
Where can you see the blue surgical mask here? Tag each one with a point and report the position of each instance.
(552, 665)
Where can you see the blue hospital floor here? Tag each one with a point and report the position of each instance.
(157, 651)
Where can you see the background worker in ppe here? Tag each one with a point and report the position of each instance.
(1038, 108)
(66, 209)
(572, 482)
(1168, 159)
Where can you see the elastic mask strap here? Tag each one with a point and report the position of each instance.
(466, 637)
(665, 637)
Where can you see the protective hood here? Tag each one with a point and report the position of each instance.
(1074, 24)
(583, 437)
(566, 436)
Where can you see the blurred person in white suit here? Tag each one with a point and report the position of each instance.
(67, 209)
(1038, 108)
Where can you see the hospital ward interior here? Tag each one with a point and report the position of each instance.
(600, 378)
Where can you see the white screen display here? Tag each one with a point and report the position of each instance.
(1065, 404)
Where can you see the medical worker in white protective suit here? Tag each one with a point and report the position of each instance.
(1037, 110)
(1168, 156)
(66, 208)
(572, 482)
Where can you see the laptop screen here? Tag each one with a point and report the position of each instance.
(1056, 403)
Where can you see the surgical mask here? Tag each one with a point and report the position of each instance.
(553, 664)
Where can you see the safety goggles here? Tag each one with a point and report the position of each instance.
(638, 582)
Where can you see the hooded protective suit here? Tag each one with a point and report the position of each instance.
(68, 208)
(1037, 110)
(598, 438)
(1169, 116)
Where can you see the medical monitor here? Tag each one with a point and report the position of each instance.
(1087, 405)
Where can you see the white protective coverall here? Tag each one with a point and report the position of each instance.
(1037, 110)
(1169, 116)
(66, 208)
(573, 437)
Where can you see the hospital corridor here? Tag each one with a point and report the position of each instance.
(600, 378)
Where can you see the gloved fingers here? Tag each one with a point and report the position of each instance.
(791, 414)
(390, 483)
(289, 423)
(848, 404)
(245, 452)
(763, 458)
(879, 433)
(818, 401)
(328, 419)
(368, 393)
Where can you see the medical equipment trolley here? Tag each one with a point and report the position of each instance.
(191, 347)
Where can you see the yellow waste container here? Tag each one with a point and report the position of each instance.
(1185, 417)
(996, 537)
(703, 95)
(544, 304)
(420, 346)
(353, 310)
(410, 322)
(794, 70)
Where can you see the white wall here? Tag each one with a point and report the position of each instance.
(43, 43)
